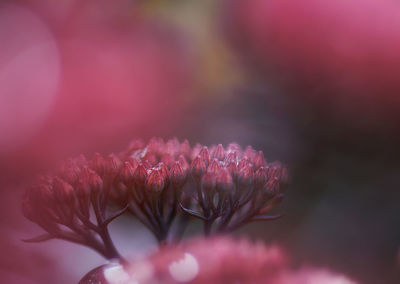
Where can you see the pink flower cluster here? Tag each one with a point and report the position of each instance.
(157, 182)
(218, 260)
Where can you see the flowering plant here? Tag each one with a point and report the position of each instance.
(161, 184)
(164, 185)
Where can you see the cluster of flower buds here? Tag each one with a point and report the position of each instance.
(159, 183)
(151, 179)
(226, 187)
(234, 186)
(71, 205)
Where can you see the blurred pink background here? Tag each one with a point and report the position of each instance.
(313, 84)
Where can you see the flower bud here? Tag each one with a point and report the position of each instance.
(155, 182)
(198, 167)
(280, 172)
(83, 195)
(232, 168)
(243, 163)
(233, 147)
(167, 159)
(83, 189)
(245, 175)
(127, 173)
(146, 164)
(231, 158)
(63, 191)
(275, 170)
(176, 175)
(261, 176)
(134, 162)
(150, 158)
(208, 182)
(213, 167)
(45, 193)
(259, 160)
(250, 153)
(272, 187)
(94, 181)
(140, 175)
(98, 163)
(90, 176)
(205, 155)
(70, 173)
(184, 164)
(219, 153)
(163, 169)
(195, 151)
(224, 180)
(112, 165)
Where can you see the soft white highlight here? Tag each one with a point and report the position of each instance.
(115, 274)
(138, 273)
(185, 269)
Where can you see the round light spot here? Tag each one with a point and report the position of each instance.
(30, 69)
(185, 269)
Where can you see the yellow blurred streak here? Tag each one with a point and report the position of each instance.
(217, 70)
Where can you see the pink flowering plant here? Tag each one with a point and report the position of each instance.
(163, 185)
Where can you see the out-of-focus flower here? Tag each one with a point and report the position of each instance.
(91, 73)
(219, 260)
(313, 276)
(72, 206)
(30, 69)
(216, 261)
(342, 54)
